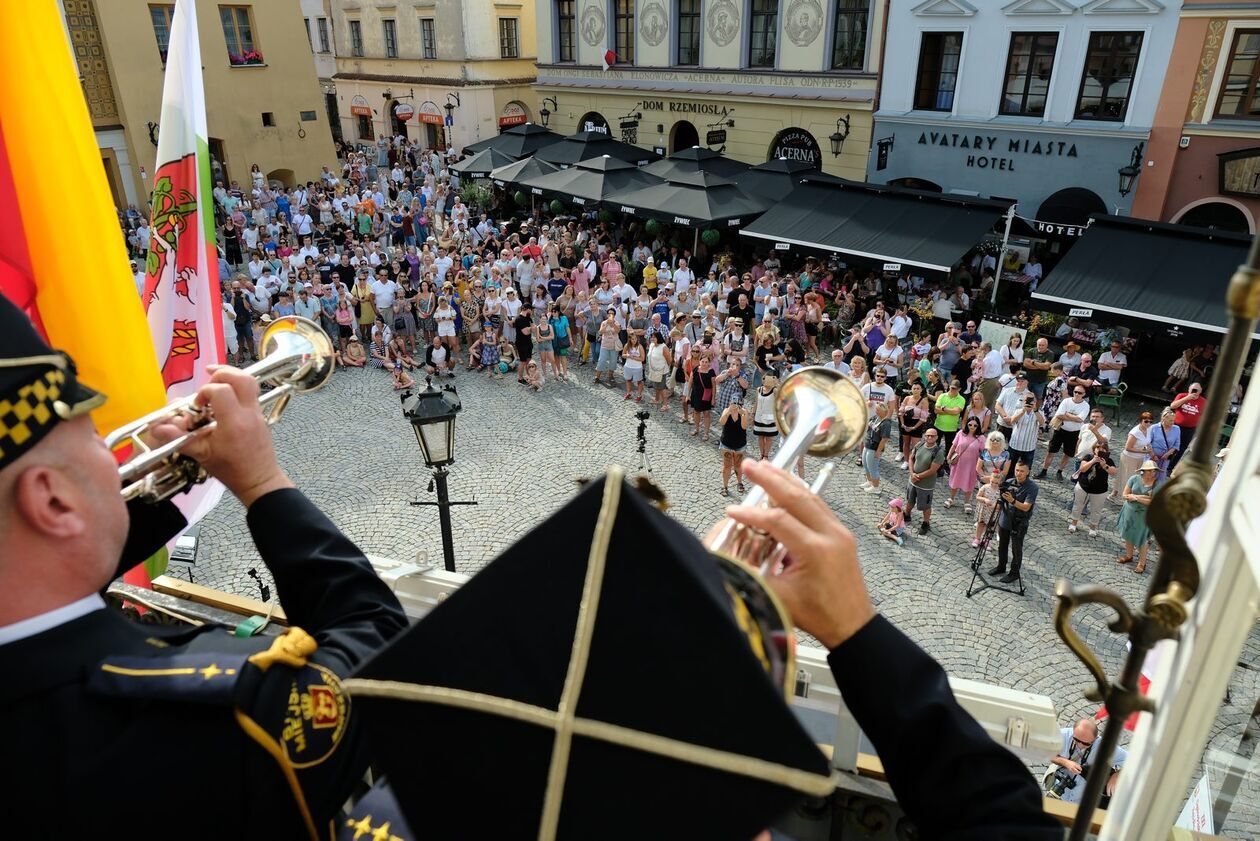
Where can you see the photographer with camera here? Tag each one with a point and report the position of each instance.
(1065, 778)
(1018, 496)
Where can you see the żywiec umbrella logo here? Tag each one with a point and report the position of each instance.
(171, 271)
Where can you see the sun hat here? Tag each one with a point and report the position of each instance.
(1148, 465)
(895, 502)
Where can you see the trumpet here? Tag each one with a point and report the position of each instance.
(819, 411)
(297, 357)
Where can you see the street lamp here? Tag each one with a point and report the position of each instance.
(1128, 174)
(546, 112)
(840, 135)
(432, 415)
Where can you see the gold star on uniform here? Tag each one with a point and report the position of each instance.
(362, 827)
(210, 671)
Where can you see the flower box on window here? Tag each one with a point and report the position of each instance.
(251, 58)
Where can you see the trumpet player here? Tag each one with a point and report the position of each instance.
(224, 737)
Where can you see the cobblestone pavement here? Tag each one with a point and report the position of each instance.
(518, 454)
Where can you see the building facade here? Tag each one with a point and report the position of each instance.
(1040, 101)
(1203, 160)
(399, 67)
(263, 104)
(759, 79)
(317, 18)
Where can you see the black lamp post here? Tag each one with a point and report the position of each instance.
(840, 135)
(432, 415)
(545, 112)
(1128, 174)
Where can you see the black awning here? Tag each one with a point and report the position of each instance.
(1171, 274)
(891, 224)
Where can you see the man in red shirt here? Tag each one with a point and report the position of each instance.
(532, 249)
(1189, 407)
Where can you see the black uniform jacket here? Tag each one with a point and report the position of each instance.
(949, 776)
(116, 728)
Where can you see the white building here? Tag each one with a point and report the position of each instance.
(319, 34)
(1041, 101)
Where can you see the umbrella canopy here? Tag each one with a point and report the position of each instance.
(515, 173)
(589, 182)
(696, 159)
(593, 144)
(518, 141)
(777, 178)
(480, 164)
(693, 200)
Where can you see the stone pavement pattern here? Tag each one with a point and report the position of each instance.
(518, 455)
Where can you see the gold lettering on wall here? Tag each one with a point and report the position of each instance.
(89, 55)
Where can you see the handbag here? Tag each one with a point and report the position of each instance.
(1056, 422)
(952, 458)
(562, 342)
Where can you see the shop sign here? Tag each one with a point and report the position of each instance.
(892, 267)
(430, 113)
(715, 138)
(359, 107)
(660, 150)
(881, 154)
(1080, 312)
(1240, 173)
(513, 114)
(671, 107)
(593, 121)
(796, 144)
(782, 246)
(404, 112)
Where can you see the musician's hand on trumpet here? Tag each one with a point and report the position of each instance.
(236, 448)
(821, 582)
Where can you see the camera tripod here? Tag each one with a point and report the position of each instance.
(645, 464)
(990, 534)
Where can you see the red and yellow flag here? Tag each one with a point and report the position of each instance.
(80, 294)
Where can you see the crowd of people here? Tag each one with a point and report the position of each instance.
(407, 278)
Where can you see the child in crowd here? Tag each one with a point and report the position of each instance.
(986, 499)
(507, 356)
(893, 526)
(533, 377)
(401, 378)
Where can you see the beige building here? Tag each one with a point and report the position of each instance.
(761, 78)
(405, 68)
(263, 104)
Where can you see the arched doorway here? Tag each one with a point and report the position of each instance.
(917, 184)
(593, 121)
(1216, 215)
(284, 177)
(396, 124)
(683, 136)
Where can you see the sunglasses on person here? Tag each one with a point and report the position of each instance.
(1079, 393)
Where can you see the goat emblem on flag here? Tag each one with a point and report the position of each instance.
(171, 271)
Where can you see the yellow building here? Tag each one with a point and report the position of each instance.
(415, 59)
(762, 78)
(263, 103)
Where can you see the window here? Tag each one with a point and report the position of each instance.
(161, 17)
(269, 118)
(428, 44)
(507, 38)
(321, 24)
(566, 26)
(764, 33)
(848, 43)
(623, 17)
(689, 32)
(1110, 66)
(356, 38)
(391, 38)
(238, 31)
(310, 41)
(1028, 69)
(1238, 95)
(307, 116)
(365, 127)
(938, 71)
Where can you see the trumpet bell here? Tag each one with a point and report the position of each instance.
(305, 349)
(828, 399)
